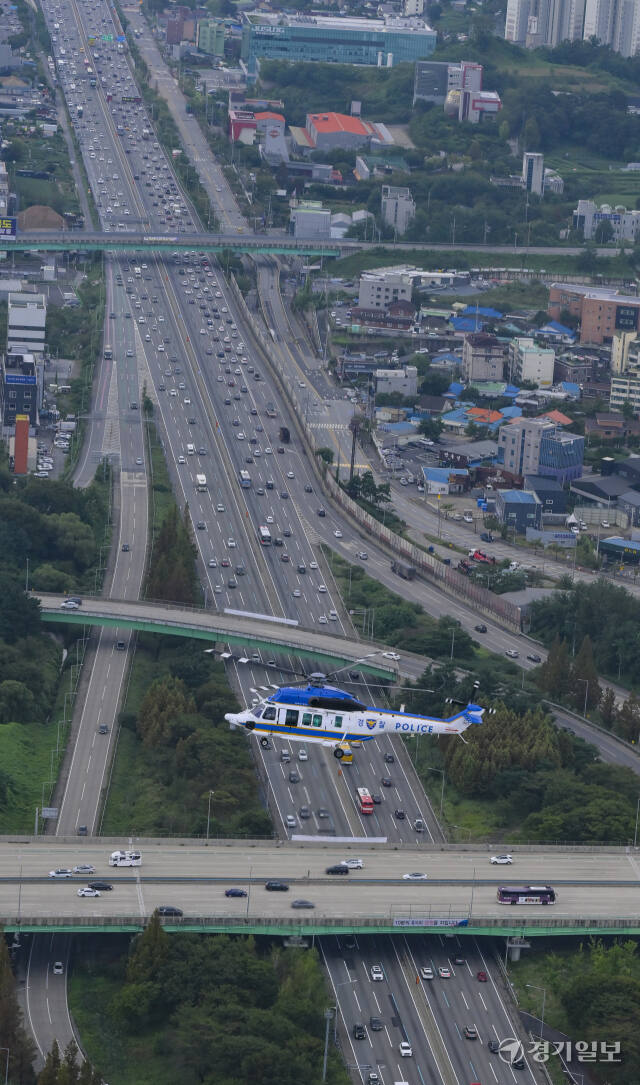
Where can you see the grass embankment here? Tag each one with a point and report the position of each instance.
(430, 260)
(47, 155)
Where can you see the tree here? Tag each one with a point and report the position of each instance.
(49, 1073)
(531, 135)
(604, 232)
(585, 687)
(628, 411)
(17, 702)
(431, 428)
(325, 454)
(21, 1047)
(553, 676)
(627, 723)
(162, 712)
(608, 710)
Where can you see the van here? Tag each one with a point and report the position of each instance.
(191, 450)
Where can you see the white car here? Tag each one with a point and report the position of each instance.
(353, 864)
(405, 1049)
(58, 969)
(426, 973)
(444, 972)
(69, 604)
(391, 655)
(313, 564)
(416, 876)
(231, 543)
(296, 593)
(219, 508)
(338, 533)
(501, 860)
(376, 973)
(322, 588)
(181, 459)
(290, 474)
(61, 872)
(302, 754)
(88, 892)
(84, 868)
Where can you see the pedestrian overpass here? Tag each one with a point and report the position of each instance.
(247, 631)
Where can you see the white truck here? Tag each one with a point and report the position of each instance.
(201, 483)
(125, 858)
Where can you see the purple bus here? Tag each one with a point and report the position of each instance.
(526, 894)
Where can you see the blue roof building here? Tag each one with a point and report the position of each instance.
(467, 324)
(478, 310)
(519, 509)
(445, 480)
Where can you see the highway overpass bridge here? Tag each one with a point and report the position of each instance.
(597, 888)
(248, 631)
(168, 245)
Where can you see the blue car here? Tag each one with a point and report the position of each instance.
(235, 893)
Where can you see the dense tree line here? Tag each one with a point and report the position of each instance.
(227, 1009)
(172, 574)
(22, 1049)
(541, 782)
(184, 749)
(607, 614)
(66, 1070)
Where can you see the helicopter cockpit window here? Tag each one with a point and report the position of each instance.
(317, 720)
(291, 718)
(306, 719)
(337, 721)
(269, 713)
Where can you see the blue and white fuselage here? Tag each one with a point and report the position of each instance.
(327, 714)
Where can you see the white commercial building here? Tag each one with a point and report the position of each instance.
(308, 219)
(533, 172)
(529, 362)
(398, 208)
(381, 287)
(26, 324)
(615, 23)
(404, 381)
(588, 216)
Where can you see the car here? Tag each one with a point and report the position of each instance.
(359, 1032)
(353, 864)
(480, 628)
(276, 887)
(68, 604)
(471, 1032)
(376, 1024)
(169, 909)
(534, 658)
(84, 868)
(404, 1049)
(502, 860)
(102, 730)
(284, 494)
(481, 976)
(493, 1045)
(426, 972)
(302, 904)
(291, 821)
(201, 526)
(391, 655)
(322, 812)
(302, 753)
(104, 887)
(213, 564)
(296, 593)
(415, 876)
(235, 892)
(304, 812)
(376, 973)
(362, 554)
(61, 872)
(294, 777)
(605, 523)
(290, 474)
(337, 533)
(322, 588)
(308, 489)
(444, 972)
(88, 891)
(511, 653)
(125, 548)
(399, 814)
(389, 758)
(231, 543)
(338, 868)
(219, 508)
(321, 512)
(58, 969)
(458, 959)
(386, 781)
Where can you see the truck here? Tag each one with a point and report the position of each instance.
(79, 110)
(107, 353)
(479, 555)
(270, 410)
(67, 427)
(125, 858)
(285, 436)
(407, 572)
(145, 133)
(201, 483)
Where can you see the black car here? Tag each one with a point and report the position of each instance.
(359, 1032)
(284, 494)
(294, 777)
(302, 904)
(386, 781)
(389, 758)
(480, 628)
(308, 489)
(533, 658)
(459, 960)
(169, 909)
(277, 887)
(104, 887)
(339, 868)
(235, 892)
(375, 1024)
(493, 1045)
(399, 814)
(377, 799)
(321, 512)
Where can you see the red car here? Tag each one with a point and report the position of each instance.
(482, 976)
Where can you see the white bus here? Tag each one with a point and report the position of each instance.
(264, 535)
(201, 483)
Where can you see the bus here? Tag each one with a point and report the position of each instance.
(365, 802)
(526, 894)
(245, 480)
(264, 535)
(107, 354)
(201, 483)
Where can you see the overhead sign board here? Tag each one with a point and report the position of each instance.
(50, 812)
(19, 378)
(8, 227)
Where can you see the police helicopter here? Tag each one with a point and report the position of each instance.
(320, 713)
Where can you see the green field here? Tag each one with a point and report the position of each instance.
(351, 266)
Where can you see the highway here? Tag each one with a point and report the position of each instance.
(592, 885)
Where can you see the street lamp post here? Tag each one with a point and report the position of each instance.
(209, 813)
(586, 693)
(544, 995)
(328, 1014)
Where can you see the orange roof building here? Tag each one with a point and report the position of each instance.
(483, 416)
(328, 130)
(557, 417)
